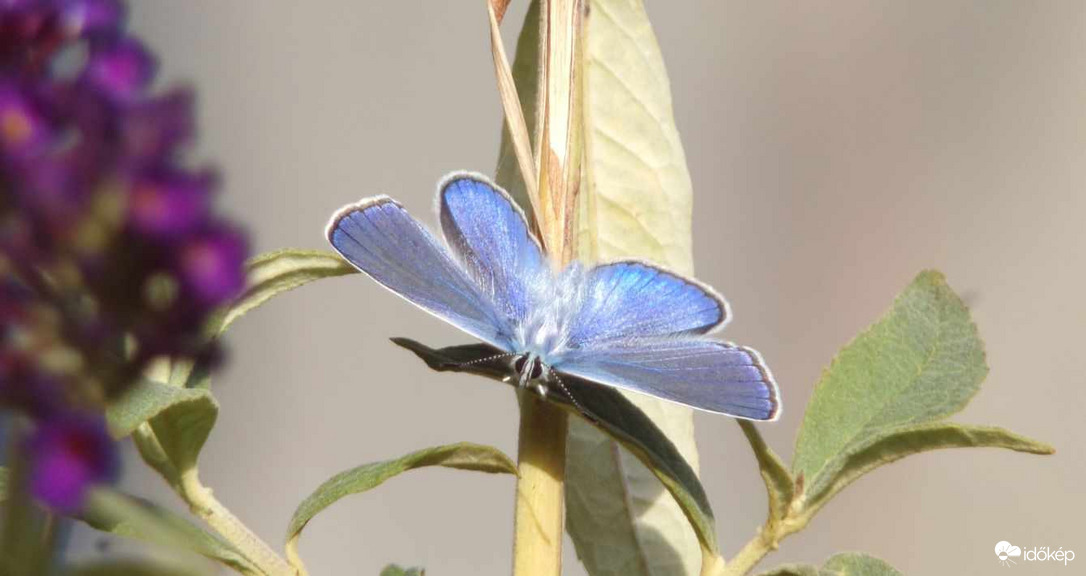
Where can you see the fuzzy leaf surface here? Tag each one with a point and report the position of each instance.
(143, 520)
(854, 564)
(462, 456)
(903, 441)
(919, 363)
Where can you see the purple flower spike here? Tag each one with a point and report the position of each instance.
(168, 204)
(91, 16)
(212, 266)
(122, 70)
(70, 454)
(95, 190)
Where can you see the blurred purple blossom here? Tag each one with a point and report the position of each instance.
(71, 452)
(110, 252)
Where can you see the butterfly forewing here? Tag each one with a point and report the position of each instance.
(381, 239)
(490, 236)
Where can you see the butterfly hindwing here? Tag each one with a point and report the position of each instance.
(630, 298)
(703, 374)
(382, 240)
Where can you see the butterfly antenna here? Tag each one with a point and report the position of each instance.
(569, 394)
(487, 359)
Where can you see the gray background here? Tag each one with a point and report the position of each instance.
(836, 149)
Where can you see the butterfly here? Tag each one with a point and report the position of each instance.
(628, 325)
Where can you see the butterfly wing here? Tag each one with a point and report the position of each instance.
(382, 240)
(489, 235)
(712, 376)
(637, 330)
(634, 299)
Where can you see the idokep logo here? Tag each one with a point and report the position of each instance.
(1007, 552)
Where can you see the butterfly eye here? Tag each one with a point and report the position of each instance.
(537, 370)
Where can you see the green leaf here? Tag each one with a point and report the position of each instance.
(275, 272)
(780, 487)
(463, 456)
(921, 362)
(845, 564)
(170, 424)
(900, 442)
(269, 274)
(636, 202)
(854, 564)
(603, 408)
(394, 570)
(146, 400)
(140, 519)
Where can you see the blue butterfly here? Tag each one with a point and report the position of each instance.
(627, 325)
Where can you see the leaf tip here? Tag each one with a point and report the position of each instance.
(931, 276)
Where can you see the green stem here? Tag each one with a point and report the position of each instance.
(768, 539)
(20, 535)
(295, 559)
(788, 512)
(540, 505)
(204, 504)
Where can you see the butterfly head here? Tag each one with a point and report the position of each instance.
(529, 367)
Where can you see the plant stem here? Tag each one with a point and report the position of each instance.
(204, 504)
(748, 557)
(540, 504)
(21, 523)
(767, 540)
(295, 560)
(712, 564)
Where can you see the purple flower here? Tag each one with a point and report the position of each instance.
(121, 70)
(211, 265)
(70, 454)
(168, 203)
(91, 16)
(23, 130)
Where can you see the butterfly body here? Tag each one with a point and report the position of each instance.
(531, 371)
(629, 325)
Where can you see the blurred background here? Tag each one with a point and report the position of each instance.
(836, 149)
